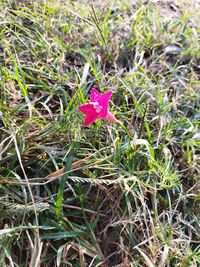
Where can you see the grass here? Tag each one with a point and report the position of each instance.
(104, 195)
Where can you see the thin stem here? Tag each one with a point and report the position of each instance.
(124, 128)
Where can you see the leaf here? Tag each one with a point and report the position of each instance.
(61, 235)
(146, 258)
(63, 179)
(85, 73)
(59, 255)
(22, 86)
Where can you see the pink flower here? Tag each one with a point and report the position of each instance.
(97, 108)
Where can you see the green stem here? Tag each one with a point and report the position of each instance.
(124, 128)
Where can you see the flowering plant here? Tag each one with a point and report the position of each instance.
(97, 108)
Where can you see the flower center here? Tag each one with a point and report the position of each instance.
(98, 108)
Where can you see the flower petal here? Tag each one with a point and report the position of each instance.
(94, 96)
(104, 100)
(86, 108)
(90, 118)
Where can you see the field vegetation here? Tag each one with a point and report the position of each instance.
(111, 194)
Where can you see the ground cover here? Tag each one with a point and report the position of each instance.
(108, 194)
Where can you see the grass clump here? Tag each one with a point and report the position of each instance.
(104, 195)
